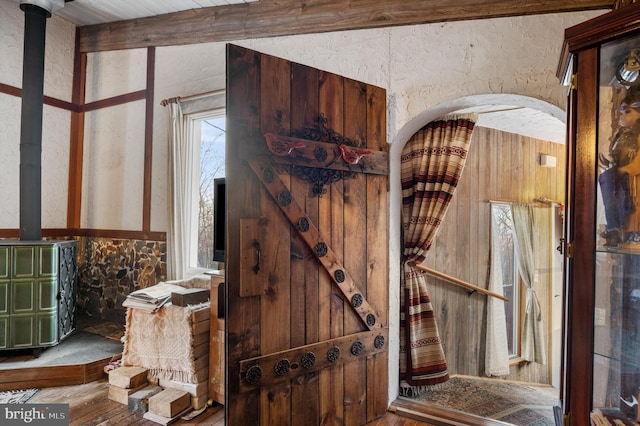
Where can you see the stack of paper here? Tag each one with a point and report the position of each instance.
(150, 299)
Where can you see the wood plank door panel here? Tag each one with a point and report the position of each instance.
(331, 218)
(307, 332)
(305, 407)
(354, 243)
(242, 313)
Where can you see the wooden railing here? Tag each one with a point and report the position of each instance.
(456, 281)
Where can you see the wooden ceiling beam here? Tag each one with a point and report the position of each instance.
(271, 18)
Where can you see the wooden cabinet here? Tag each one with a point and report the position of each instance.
(37, 293)
(216, 347)
(601, 61)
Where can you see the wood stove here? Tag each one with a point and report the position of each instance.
(38, 279)
(38, 291)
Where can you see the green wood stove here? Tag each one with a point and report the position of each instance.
(38, 290)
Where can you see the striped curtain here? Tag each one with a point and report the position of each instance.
(431, 165)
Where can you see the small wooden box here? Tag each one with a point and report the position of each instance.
(128, 377)
(138, 402)
(189, 296)
(169, 402)
(121, 395)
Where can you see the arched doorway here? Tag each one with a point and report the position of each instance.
(515, 120)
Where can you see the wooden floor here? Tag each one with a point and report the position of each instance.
(84, 385)
(90, 406)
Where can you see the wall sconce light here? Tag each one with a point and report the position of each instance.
(627, 73)
(548, 160)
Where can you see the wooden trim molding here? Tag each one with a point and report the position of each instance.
(272, 18)
(76, 142)
(118, 233)
(95, 233)
(77, 106)
(113, 101)
(148, 140)
(10, 90)
(48, 100)
(10, 233)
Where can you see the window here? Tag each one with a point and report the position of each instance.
(206, 134)
(502, 224)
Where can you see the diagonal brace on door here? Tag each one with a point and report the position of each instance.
(318, 246)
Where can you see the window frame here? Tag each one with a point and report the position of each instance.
(517, 300)
(193, 134)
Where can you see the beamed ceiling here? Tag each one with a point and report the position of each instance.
(175, 22)
(123, 24)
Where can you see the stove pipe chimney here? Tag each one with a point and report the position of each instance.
(36, 13)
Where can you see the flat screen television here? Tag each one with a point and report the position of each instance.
(219, 219)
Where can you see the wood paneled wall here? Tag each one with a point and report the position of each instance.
(500, 166)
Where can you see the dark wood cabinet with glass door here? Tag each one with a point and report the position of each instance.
(601, 62)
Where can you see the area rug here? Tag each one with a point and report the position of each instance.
(517, 403)
(16, 396)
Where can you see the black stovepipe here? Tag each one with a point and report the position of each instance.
(35, 22)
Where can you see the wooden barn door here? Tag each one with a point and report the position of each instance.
(307, 252)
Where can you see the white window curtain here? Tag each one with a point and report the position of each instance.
(532, 342)
(182, 186)
(497, 346)
(180, 163)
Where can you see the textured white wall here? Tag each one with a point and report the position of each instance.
(115, 73)
(58, 78)
(9, 161)
(114, 138)
(55, 166)
(60, 39)
(112, 174)
(11, 31)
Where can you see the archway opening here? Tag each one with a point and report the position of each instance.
(506, 165)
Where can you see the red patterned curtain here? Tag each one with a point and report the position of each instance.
(431, 165)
